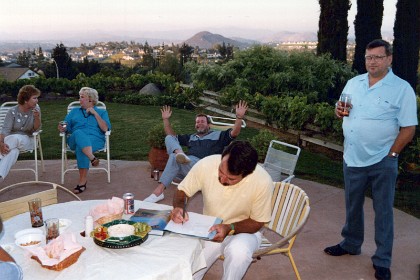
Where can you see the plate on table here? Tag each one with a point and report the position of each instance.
(120, 234)
(28, 231)
(30, 240)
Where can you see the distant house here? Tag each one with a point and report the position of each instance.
(14, 74)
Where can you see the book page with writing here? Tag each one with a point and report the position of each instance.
(197, 225)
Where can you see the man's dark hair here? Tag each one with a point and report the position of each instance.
(203, 115)
(243, 158)
(380, 43)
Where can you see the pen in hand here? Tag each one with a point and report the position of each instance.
(184, 209)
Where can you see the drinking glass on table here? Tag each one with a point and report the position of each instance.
(35, 211)
(52, 229)
(344, 104)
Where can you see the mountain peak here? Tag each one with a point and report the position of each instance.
(208, 40)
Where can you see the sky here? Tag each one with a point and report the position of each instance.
(44, 19)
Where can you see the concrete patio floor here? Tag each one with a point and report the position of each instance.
(323, 228)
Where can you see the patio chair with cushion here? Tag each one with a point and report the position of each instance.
(37, 148)
(65, 148)
(19, 205)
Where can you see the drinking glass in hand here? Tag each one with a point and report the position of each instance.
(345, 104)
(63, 124)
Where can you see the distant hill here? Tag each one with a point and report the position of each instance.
(20, 46)
(207, 40)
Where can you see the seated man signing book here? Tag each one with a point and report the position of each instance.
(238, 191)
(203, 143)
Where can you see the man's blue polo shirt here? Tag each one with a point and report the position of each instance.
(378, 113)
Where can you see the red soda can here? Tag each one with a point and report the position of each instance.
(128, 203)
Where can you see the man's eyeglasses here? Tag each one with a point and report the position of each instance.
(375, 57)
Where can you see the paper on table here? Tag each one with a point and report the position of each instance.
(197, 225)
(57, 250)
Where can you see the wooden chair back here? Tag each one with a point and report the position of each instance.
(16, 206)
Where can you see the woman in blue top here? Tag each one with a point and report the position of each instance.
(86, 127)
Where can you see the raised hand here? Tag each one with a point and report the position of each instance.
(166, 112)
(241, 109)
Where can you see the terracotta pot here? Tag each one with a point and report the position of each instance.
(158, 158)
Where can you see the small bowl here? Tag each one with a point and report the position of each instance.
(30, 240)
(28, 231)
(64, 225)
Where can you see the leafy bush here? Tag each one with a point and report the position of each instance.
(261, 141)
(271, 72)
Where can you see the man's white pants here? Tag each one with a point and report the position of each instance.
(237, 250)
(16, 143)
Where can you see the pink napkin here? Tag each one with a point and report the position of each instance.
(113, 206)
(57, 250)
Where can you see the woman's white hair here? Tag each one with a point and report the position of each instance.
(91, 93)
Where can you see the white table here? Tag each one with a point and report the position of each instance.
(171, 256)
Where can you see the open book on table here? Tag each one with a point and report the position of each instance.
(160, 220)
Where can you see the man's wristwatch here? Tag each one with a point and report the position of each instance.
(232, 229)
(394, 154)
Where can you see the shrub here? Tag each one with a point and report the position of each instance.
(261, 141)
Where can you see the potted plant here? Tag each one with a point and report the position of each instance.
(157, 154)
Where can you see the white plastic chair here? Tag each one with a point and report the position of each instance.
(281, 160)
(223, 123)
(4, 108)
(65, 148)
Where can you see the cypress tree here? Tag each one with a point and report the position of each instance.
(407, 40)
(367, 27)
(333, 28)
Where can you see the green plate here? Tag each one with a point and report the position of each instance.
(123, 242)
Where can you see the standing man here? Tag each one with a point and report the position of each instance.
(238, 191)
(203, 143)
(380, 124)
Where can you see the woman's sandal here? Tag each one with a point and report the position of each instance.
(79, 189)
(95, 161)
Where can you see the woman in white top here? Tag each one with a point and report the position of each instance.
(19, 124)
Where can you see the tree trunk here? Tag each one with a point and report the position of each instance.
(367, 27)
(333, 28)
(407, 41)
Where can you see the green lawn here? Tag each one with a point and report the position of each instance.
(131, 123)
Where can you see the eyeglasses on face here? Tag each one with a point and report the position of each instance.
(375, 57)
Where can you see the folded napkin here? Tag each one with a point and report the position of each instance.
(113, 206)
(57, 250)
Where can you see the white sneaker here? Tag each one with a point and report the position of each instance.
(182, 158)
(153, 198)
